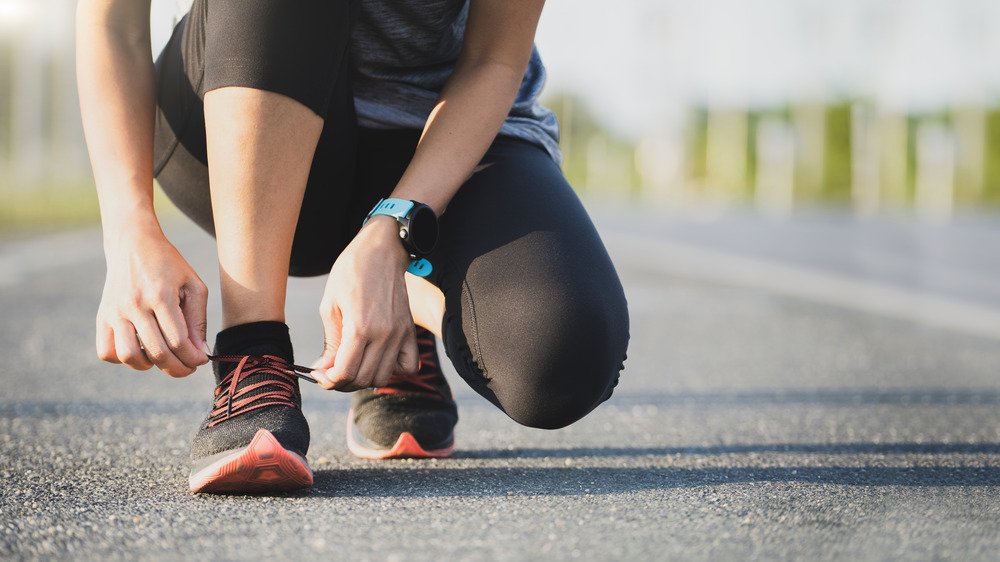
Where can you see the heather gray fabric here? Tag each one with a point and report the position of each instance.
(403, 51)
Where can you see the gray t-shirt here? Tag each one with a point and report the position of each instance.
(403, 52)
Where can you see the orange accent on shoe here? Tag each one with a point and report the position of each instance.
(263, 466)
(406, 447)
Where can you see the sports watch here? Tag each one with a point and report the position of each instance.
(418, 230)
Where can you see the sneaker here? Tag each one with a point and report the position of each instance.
(411, 417)
(255, 438)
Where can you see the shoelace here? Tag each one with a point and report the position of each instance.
(230, 402)
(427, 371)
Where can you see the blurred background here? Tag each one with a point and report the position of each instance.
(873, 107)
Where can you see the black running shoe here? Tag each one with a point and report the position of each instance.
(411, 417)
(255, 438)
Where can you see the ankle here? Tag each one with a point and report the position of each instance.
(250, 316)
(262, 337)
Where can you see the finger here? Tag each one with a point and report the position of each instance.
(128, 348)
(386, 366)
(408, 359)
(174, 330)
(325, 361)
(370, 365)
(194, 306)
(157, 349)
(106, 342)
(347, 362)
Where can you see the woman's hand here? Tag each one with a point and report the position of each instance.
(366, 313)
(153, 308)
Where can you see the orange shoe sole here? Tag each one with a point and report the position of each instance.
(263, 466)
(406, 447)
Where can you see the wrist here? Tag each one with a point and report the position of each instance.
(122, 219)
(126, 228)
(384, 232)
(425, 196)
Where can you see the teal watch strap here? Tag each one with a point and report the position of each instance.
(420, 267)
(398, 208)
(391, 207)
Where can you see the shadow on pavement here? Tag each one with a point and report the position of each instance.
(747, 398)
(818, 448)
(819, 397)
(485, 482)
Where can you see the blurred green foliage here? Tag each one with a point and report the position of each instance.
(48, 205)
(595, 160)
(991, 183)
(823, 136)
(61, 205)
(837, 179)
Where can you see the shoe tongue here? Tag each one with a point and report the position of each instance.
(266, 337)
(223, 368)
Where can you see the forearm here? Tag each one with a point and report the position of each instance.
(115, 82)
(463, 124)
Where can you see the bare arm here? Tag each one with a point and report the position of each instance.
(365, 307)
(153, 308)
(475, 101)
(115, 81)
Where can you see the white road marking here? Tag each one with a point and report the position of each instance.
(811, 284)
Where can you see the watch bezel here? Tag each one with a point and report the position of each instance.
(417, 221)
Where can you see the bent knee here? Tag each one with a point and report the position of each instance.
(555, 411)
(550, 336)
(561, 375)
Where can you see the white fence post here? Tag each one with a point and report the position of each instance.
(935, 174)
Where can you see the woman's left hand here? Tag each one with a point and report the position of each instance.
(368, 328)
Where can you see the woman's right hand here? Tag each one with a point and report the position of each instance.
(152, 311)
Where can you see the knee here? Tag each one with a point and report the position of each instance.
(561, 370)
(549, 335)
(557, 406)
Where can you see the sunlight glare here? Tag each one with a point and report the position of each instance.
(14, 13)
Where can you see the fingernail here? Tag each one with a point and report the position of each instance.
(205, 348)
(320, 377)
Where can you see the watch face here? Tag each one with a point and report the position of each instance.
(423, 230)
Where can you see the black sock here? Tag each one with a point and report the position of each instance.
(422, 332)
(267, 337)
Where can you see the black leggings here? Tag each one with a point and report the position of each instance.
(535, 316)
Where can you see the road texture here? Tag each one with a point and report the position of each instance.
(816, 388)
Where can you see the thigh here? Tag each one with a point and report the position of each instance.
(197, 49)
(180, 156)
(536, 319)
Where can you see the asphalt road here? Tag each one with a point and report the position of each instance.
(818, 388)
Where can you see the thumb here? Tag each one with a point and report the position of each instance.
(332, 332)
(194, 302)
(325, 361)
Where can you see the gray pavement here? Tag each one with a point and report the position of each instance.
(817, 388)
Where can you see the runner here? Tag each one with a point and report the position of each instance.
(397, 147)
